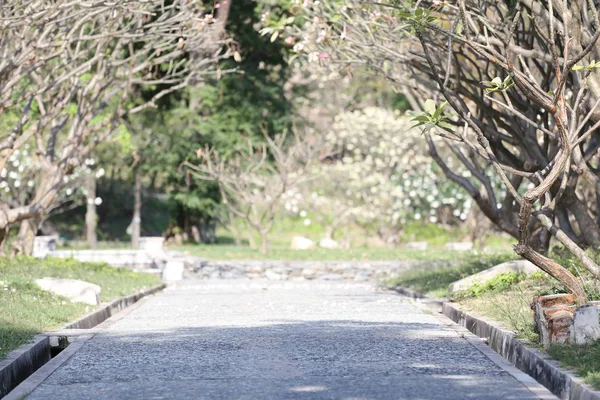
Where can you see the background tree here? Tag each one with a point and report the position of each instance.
(520, 84)
(253, 181)
(67, 69)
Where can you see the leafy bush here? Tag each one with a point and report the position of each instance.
(499, 283)
(435, 281)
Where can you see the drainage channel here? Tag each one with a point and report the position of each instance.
(26, 360)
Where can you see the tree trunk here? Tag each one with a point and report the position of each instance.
(51, 181)
(3, 237)
(264, 243)
(251, 241)
(137, 211)
(26, 237)
(556, 271)
(91, 216)
(237, 235)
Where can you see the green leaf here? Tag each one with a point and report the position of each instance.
(439, 110)
(446, 126)
(274, 36)
(578, 67)
(421, 118)
(429, 106)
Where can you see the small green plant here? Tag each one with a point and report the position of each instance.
(416, 20)
(432, 117)
(434, 281)
(498, 85)
(591, 66)
(497, 284)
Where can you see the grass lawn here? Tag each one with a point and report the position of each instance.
(25, 310)
(434, 281)
(232, 252)
(506, 300)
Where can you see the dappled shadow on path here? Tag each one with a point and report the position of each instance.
(281, 359)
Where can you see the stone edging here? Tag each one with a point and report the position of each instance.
(284, 270)
(534, 363)
(96, 317)
(24, 361)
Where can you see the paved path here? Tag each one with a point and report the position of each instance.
(288, 340)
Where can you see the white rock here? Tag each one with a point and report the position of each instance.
(459, 246)
(73, 289)
(516, 266)
(173, 270)
(152, 245)
(272, 276)
(301, 243)
(328, 243)
(586, 324)
(44, 245)
(417, 245)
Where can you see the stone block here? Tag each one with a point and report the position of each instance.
(559, 326)
(554, 318)
(459, 246)
(328, 243)
(516, 266)
(173, 270)
(301, 243)
(272, 275)
(254, 269)
(309, 273)
(555, 300)
(73, 289)
(586, 324)
(417, 245)
(331, 277)
(152, 245)
(44, 245)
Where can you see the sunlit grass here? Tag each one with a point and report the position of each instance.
(584, 359)
(25, 310)
(434, 282)
(232, 252)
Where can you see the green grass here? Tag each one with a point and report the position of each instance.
(509, 304)
(434, 281)
(232, 252)
(102, 245)
(25, 310)
(585, 360)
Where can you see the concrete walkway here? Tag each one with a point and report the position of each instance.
(286, 340)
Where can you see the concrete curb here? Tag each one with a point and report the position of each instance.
(533, 362)
(98, 316)
(409, 293)
(21, 363)
(540, 391)
(536, 364)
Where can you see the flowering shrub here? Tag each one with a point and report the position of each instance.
(19, 180)
(379, 177)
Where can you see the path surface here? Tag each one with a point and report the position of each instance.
(287, 340)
